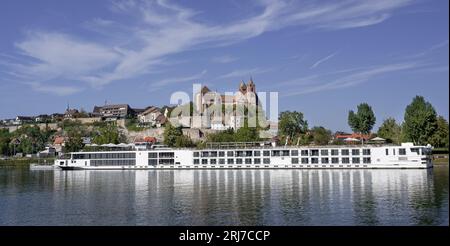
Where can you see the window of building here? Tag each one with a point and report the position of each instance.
(355, 151)
(276, 153)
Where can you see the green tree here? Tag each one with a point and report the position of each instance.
(5, 139)
(291, 124)
(108, 134)
(390, 131)
(171, 134)
(74, 141)
(363, 120)
(440, 136)
(320, 135)
(183, 141)
(420, 121)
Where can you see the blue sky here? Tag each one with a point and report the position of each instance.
(323, 57)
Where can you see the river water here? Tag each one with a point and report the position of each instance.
(224, 197)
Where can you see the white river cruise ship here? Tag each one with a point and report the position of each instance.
(253, 156)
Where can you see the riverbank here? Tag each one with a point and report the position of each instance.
(27, 161)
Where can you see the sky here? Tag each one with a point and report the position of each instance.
(322, 57)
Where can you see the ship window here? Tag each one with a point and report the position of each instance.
(416, 150)
(345, 152)
(166, 161)
(239, 153)
(213, 154)
(324, 152)
(314, 160)
(294, 152)
(345, 160)
(151, 155)
(334, 152)
(221, 161)
(285, 153)
(248, 161)
(266, 153)
(355, 151)
(196, 154)
(266, 160)
(257, 153)
(325, 160)
(366, 151)
(294, 160)
(239, 161)
(257, 161)
(204, 161)
(230, 153)
(366, 160)
(276, 153)
(166, 155)
(304, 152)
(355, 160)
(387, 151)
(152, 162)
(314, 152)
(304, 160)
(205, 154)
(213, 161)
(393, 151)
(248, 153)
(334, 160)
(230, 161)
(196, 161)
(221, 153)
(402, 151)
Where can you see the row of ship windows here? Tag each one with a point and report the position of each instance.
(119, 162)
(323, 160)
(312, 152)
(115, 155)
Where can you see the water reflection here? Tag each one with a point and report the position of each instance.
(225, 197)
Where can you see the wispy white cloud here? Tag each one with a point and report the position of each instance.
(59, 90)
(322, 60)
(320, 83)
(155, 30)
(243, 73)
(224, 59)
(154, 86)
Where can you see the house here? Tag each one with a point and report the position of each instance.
(149, 116)
(42, 118)
(115, 111)
(70, 113)
(22, 120)
(160, 120)
(58, 143)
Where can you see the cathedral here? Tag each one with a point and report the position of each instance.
(205, 98)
